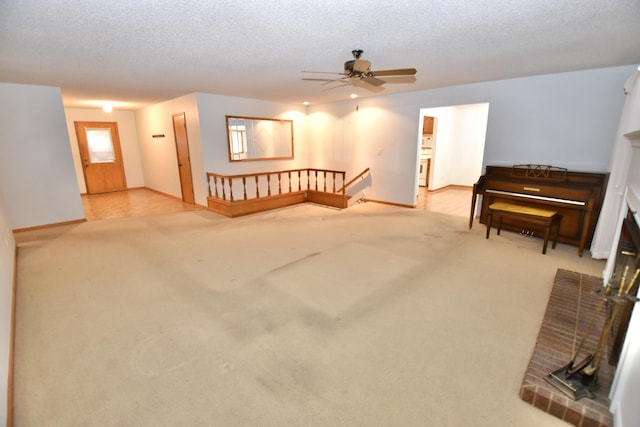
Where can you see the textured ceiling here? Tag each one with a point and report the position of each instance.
(147, 51)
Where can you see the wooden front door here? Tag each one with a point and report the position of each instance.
(101, 157)
(184, 161)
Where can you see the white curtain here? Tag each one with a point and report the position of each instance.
(606, 229)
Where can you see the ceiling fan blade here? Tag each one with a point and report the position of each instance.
(361, 83)
(398, 72)
(323, 80)
(322, 72)
(334, 87)
(373, 81)
(399, 79)
(326, 81)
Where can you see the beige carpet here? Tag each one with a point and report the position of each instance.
(305, 316)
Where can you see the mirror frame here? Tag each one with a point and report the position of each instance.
(258, 119)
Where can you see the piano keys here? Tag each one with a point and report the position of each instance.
(576, 196)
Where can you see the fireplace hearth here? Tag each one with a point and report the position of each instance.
(572, 300)
(584, 318)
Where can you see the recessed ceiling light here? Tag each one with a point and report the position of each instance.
(354, 95)
(107, 108)
(305, 103)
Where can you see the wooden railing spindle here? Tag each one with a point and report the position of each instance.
(257, 188)
(244, 186)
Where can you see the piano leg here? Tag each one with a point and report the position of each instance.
(473, 208)
(585, 231)
(555, 237)
(547, 232)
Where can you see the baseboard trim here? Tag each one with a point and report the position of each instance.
(12, 338)
(167, 195)
(157, 192)
(451, 187)
(389, 203)
(56, 224)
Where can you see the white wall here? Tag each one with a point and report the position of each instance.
(215, 153)
(158, 155)
(566, 120)
(128, 142)
(470, 138)
(381, 135)
(7, 263)
(37, 175)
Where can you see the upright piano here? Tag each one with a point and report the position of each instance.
(576, 196)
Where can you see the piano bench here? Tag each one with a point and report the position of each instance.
(549, 219)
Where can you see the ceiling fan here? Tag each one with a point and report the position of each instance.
(361, 69)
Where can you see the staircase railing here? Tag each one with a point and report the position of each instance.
(360, 175)
(234, 195)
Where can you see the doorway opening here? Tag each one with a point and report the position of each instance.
(451, 146)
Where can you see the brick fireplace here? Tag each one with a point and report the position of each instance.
(615, 402)
(572, 303)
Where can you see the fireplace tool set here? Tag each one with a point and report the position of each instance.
(578, 380)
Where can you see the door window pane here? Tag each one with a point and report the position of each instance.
(100, 146)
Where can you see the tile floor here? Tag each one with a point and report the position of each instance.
(132, 203)
(449, 200)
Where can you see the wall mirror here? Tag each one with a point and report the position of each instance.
(253, 138)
